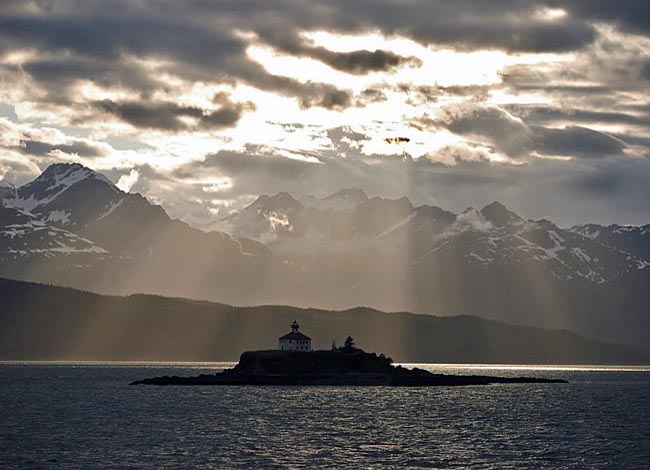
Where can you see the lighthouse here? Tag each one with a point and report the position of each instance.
(295, 341)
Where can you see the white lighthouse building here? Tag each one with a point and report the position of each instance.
(295, 341)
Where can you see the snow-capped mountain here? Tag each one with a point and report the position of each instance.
(493, 235)
(631, 238)
(67, 195)
(73, 226)
(33, 217)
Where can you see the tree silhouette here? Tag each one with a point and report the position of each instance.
(349, 343)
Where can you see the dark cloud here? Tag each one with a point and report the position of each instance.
(358, 62)
(362, 62)
(628, 15)
(79, 147)
(576, 141)
(535, 114)
(508, 134)
(251, 162)
(168, 116)
(225, 116)
(508, 24)
(199, 40)
(95, 46)
(308, 94)
(372, 95)
(153, 115)
(517, 139)
(59, 75)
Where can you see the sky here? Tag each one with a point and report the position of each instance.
(204, 105)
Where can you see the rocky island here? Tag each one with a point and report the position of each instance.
(340, 366)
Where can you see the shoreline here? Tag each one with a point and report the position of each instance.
(428, 365)
(347, 366)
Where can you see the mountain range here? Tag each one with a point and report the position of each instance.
(72, 226)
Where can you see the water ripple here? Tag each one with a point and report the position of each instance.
(85, 416)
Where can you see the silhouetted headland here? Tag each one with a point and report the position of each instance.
(342, 366)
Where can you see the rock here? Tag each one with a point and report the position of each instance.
(351, 367)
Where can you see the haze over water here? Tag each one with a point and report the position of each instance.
(86, 416)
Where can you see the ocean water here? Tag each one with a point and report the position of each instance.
(87, 416)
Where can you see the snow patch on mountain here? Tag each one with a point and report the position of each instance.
(558, 244)
(111, 208)
(591, 231)
(59, 216)
(37, 237)
(627, 238)
(580, 253)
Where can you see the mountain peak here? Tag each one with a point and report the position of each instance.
(495, 205)
(69, 173)
(57, 178)
(68, 194)
(499, 214)
(279, 201)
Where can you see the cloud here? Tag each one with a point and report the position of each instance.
(308, 94)
(126, 182)
(576, 141)
(199, 40)
(512, 136)
(359, 62)
(536, 114)
(75, 147)
(169, 115)
(631, 16)
(509, 134)
(17, 171)
(59, 76)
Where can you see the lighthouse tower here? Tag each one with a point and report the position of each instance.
(295, 341)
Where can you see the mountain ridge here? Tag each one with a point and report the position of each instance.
(45, 322)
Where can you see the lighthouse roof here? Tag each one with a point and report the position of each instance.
(293, 335)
